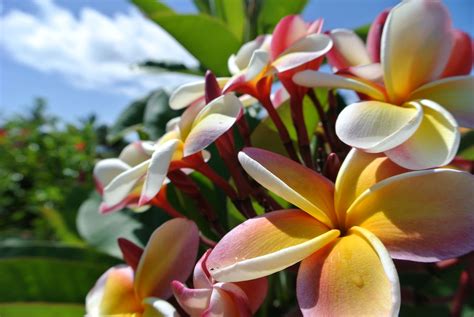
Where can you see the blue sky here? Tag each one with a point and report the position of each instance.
(92, 73)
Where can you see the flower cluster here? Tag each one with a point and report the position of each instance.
(376, 181)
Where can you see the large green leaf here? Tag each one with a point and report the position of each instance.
(272, 11)
(37, 272)
(233, 14)
(152, 6)
(205, 37)
(40, 310)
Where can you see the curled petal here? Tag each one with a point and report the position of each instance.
(267, 244)
(193, 301)
(106, 170)
(455, 94)
(212, 121)
(169, 255)
(460, 60)
(157, 170)
(122, 185)
(374, 36)
(348, 49)
(359, 172)
(187, 94)
(289, 30)
(434, 143)
(297, 184)
(423, 216)
(354, 269)
(256, 291)
(311, 78)
(415, 50)
(201, 276)
(134, 154)
(225, 303)
(303, 51)
(113, 293)
(241, 60)
(374, 126)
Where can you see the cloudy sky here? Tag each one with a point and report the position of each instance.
(79, 54)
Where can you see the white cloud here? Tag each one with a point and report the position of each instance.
(92, 50)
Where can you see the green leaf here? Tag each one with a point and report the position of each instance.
(54, 273)
(272, 11)
(205, 37)
(152, 7)
(131, 116)
(157, 114)
(41, 310)
(233, 14)
(363, 31)
(102, 231)
(157, 66)
(466, 148)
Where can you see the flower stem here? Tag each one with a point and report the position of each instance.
(296, 104)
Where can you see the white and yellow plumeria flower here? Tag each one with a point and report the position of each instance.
(413, 117)
(198, 127)
(141, 291)
(346, 233)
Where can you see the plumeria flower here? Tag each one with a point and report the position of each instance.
(346, 233)
(142, 288)
(294, 46)
(197, 128)
(210, 298)
(413, 116)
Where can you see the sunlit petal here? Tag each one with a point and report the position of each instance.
(106, 170)
(155, 307)
(455, 94)
(348, 49)
(186, 94)
(416, 45)
(267, 244)
(289, 30)
(375, 126)
(169, 255)
(420, 216)
(374, 36)
(460, 60)
(434, 143)
(295, 183)
(353, 276)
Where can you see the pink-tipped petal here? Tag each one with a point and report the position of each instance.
(348, 49)
(169, 255)
(224, 303)
(297, 184)
(193, 301)
(423, 216)
(241, 60)
(256, 291)
(374, 37)
(267, 244)
(455, 94)
(434, 143)
(460, 60)
(416, 44)
(134, 154)
(289, 30)
(106, 170)
(131, 252)
(353, 276)
(187, 94)
(201, 276)
(212, 121)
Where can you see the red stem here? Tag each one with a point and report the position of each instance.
(296, 104)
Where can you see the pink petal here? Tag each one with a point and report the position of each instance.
(193, 301)
(460, 60)
(289, 30)
(374, 37)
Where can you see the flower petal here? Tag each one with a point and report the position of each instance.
(359, 172)
(460, 60)
(157, 170)
(267, 244)
(304, 51)
(420, 216)
(155, 307)
(113, 293)
(241, 60)
(201, 276)
(122, 185)
(256, 291)
(375, 126)
(193, 301)
(289, 30)
(354, 269)
(169, 255)
(371, 72)
(187, 94)
(348, 49)
(416, 44)
(374, 37)
(134, 153)
(211, 122)
(295, 183)
(311, 78)
(455, 94)
(434, 143)
(224, 303)
(106, 170)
